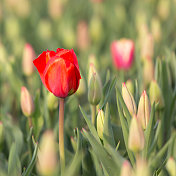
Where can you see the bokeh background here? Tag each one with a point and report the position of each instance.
(89, 27)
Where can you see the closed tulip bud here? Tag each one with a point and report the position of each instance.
(27, 104)
(52, 101)
(126, 169)
(136, 136)
(92, 60)
(96, 29)
(82, 35)
(1, 132)
(100, 123)
(148, 71)
(55, 8)
(155, 94)
(47, 160)
(94, 89)
(128, 99)
(144, 109)
(82, 87)
(156, 29)
(28, 57)
(123, 53)
(147, 46)
(163, 9)
(74, 143)
(171, 166)
(142, 168)
(130, 86)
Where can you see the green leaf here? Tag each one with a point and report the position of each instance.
(127, 114)
(158, 158)
(90, 125)
(32, 163)
(108, 136)
(76, 162)
(107, 93)
(101, 154)
(14, 166)
(148, 132)
(124, 127)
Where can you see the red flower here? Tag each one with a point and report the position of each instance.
(122, 53)
(59, 71)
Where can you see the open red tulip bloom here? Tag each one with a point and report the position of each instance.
(59, 71)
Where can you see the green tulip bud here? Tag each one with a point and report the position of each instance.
(144, 110)
(142, 168)
(136, 135)
(171, 166)
(47, 160)
(126, 169)
(100, 123)
(155, 94)
(130, 86)
(27, 104)
(128, 99)
(94, 86)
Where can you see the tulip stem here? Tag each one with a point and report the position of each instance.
(61, 135)
(93, 109)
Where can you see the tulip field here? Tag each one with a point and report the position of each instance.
(87, 88)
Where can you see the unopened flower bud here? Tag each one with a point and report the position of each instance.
(82, 35)
(55, 8)
(171, 166)
(1, 132)
(92, 60)
(128, 99)
(163, 9)
(94, 89)
(156, 29)
(136, 135)
(27, 104)
(155, 94)
(100, 123)
(130, 86)
(142, 168)
(126, 169)
(147, 46)
(82, 87)
(148, 71)
(144, 109)
(47, 160)
(74, 143)
(28, 57)
(52, 101)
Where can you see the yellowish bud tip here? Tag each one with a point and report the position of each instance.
(100, 123)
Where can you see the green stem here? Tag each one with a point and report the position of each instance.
(93, 109)
(61, 135)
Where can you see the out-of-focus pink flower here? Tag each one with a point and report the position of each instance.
(123, 53)
(28, 57)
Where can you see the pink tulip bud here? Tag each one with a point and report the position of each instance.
(123, 53)
(82, 35)
(27, 104)
(171, 166)
(128, 99)
(136, 135)
(144, 109)
(142, 168)
(126, 169)
(148, 71)
(47, 160)
(28, 57)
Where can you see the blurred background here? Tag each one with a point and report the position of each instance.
(28, 27)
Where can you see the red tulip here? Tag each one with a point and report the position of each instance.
(59, 71)
(122, 53)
